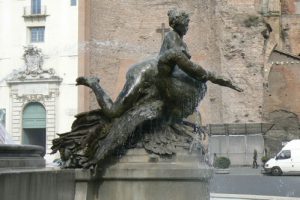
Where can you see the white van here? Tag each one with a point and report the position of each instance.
(287, 161)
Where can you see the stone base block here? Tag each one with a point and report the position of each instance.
(146, 181)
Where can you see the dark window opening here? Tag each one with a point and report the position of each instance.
(37, 34)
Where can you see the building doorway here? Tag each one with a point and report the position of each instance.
(34, 124)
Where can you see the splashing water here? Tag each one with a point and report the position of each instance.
(203, 138)
(4, 136)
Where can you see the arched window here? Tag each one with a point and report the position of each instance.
(34, 124)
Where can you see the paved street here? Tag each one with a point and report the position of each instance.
(245, 180)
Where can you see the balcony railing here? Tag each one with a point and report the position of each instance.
(35, 12)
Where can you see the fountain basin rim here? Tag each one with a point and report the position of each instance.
(17, 150)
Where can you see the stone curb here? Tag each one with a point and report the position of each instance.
(221, 171)
(220, 196)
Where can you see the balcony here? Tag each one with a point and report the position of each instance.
(30, 12)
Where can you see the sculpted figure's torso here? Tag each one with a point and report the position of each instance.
(181, 91)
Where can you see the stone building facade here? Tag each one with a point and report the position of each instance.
(37, 88)
(34, 99)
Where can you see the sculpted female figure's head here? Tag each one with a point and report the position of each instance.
(179, 21)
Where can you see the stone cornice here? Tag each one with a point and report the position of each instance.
(55, 79)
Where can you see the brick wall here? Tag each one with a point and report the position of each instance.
(291, 30)
(290, 6)
(124, 32)
(283, 86)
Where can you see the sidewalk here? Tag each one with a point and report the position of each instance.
(216, 196)
(245, 171)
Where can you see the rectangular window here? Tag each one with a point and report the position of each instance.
(37, 34)
(73, 2)
(35, 7)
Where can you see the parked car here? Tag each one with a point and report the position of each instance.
(287, 161)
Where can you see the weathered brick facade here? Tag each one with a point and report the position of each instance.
(282, 93)
(224, 36)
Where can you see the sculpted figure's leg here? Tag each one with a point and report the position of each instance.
(124, 101)
(93, 82)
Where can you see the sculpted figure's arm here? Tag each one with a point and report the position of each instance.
(174, 52)
(220, 80)
(192, 69)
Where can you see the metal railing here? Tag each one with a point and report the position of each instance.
(31, 12)
(236, 129)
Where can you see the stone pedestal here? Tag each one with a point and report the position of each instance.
(136, 176)
(139, 176)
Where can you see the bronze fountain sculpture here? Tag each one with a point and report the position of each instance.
(148, 112)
